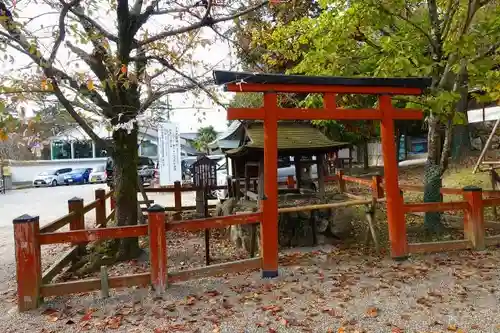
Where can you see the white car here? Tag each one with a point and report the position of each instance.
(51, 178)
(98, 174)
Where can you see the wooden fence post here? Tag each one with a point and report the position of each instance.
(100, 210)
(229, 187)
(475, 217)
(290, 182)
(28, 262)
(377, 190)
(178, 200)
(78, 221)
(158, 248)
(340, 176)
(237, 188)
(112, 201)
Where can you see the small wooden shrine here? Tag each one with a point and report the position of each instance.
(298, 143)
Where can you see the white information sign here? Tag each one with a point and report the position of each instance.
(169, 153)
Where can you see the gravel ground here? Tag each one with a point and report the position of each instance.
(321, 289)
(318, 290)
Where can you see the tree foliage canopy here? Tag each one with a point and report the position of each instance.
(206, 135)
(454, 42)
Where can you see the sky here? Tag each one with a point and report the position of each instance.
(189, 112)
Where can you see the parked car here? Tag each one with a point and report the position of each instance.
(145, 169)
(98, 174)
(77, 176)
(51, 178)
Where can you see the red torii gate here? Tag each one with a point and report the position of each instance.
(271, 85)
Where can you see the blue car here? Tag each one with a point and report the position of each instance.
(77, 176)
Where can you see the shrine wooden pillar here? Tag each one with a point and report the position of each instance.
(395, 214)
(320, 163)
(298, 173)
(269, 226)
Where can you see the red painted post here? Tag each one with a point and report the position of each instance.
(178, 200)
(269, 203)
(78, 222)
(377, 190)
(290, 182)
(28, 262)
(340, 177)
(395, 214)
(158, 248)
(475, 217)
(100, 210)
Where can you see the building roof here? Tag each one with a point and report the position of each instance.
(226, 77)
(225, 140)
(189, 136)
(189, 150)
(228, 144)
(292, 137)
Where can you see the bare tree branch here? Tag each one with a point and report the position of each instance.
(200, 24)
(175, 90)
(78, 12)
(50, 72)
(79, 120)
(62, 30)
(95, 65)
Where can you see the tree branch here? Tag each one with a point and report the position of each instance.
(31, 50)
(413, 24)
(95, 65)
(78, 12)
(160, 93)
(79, 120)
(124, 35)
(200, 24)
(62, 30)
(168, 65)
(489, 52)
(451, 10)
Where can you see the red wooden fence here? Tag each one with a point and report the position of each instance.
(33, 285)
(29, 237)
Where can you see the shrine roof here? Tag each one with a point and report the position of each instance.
(292, 137)
(227, 77)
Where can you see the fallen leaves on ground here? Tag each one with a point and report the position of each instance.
(318, 289)
(372, 312)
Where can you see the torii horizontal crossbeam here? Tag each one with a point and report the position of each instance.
(301, 88)
(323, 114)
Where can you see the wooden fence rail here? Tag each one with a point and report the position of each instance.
(475, 200)
(33, 285)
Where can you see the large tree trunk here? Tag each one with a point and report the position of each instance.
(125, 157)
(366, 159)
(461, 139)
(432, 176)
